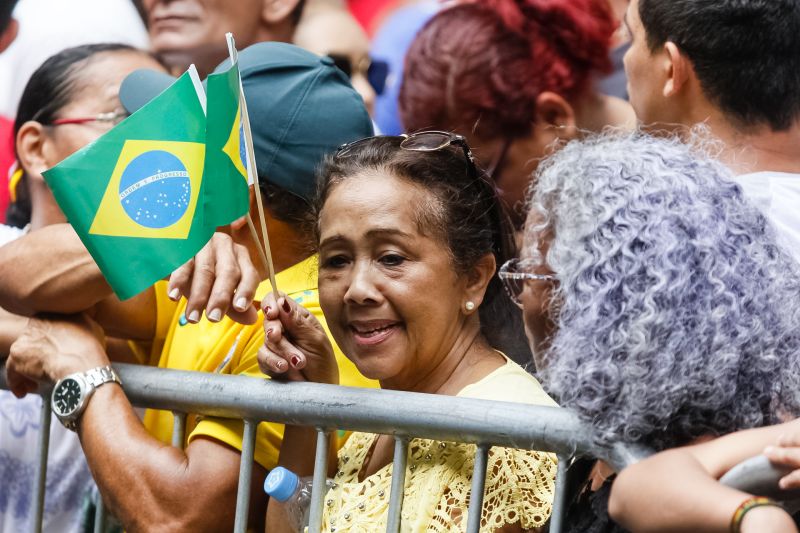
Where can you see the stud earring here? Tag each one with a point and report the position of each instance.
(469, 306)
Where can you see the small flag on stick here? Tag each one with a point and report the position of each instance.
(134, 196)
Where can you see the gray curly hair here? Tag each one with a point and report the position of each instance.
(677, 313)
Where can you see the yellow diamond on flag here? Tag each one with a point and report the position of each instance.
(152, 192)
(235, 147)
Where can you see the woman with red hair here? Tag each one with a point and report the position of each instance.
(514, 77)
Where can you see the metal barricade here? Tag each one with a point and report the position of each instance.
(405, 415)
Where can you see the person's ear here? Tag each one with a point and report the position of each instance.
(554, 112)
(478, 280)
(33, 146)
(10, 33)
(276, 11)
(677, 69)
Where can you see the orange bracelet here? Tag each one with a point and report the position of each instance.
(747, 505)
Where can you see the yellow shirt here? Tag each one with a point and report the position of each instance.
(519, 483)
(228, 347)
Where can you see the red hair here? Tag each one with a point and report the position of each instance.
(482, 64)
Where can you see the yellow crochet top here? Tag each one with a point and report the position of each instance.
(519, 484)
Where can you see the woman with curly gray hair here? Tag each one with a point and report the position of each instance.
(660, 307)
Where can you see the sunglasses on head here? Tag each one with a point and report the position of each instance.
(376, 71)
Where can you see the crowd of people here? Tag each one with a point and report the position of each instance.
(537, 232)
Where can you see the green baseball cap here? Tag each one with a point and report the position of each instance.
(301, 108)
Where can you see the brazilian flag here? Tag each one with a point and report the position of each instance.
(133, 194)
(226, 183)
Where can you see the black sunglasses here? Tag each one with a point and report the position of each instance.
(376, 71)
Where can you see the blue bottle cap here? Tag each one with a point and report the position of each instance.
(281, 483)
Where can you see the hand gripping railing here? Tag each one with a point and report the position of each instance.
(405, 415)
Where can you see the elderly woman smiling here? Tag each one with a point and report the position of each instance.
(659, 304)
(409, 238)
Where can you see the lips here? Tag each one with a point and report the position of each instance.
(372, 332)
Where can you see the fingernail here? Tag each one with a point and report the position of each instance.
(267, 310)
(241, 303)
(295, 361)
(268, 332)
(174, 294)
(215, 315)
(286, 306)
(194, 316)
(281, 365)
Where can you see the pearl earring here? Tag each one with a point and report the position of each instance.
(469, 306)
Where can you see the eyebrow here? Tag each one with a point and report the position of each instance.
(376, 232)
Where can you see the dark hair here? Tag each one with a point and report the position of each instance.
(466, 214)
(285, 205)
(484, 63)
(6, 8)
(51, 87)
(746, 53)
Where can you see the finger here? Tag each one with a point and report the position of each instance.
(226, 278)
(248, 282)
(789, 439)
(270, 363)
(790, 481)
(783, 456)
(180, 281)
(298, 321)
(19, 384)
(282, 347)
(247, 317)
(269, 304)
(202, 282)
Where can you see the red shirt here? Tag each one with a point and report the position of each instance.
(6, 160)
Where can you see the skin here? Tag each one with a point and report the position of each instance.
(379, 268)
(557, 120)
(708, 506)
(667, 95)
(330, 30)
(183, 32)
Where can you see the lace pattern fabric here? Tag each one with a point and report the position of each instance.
(519, 488)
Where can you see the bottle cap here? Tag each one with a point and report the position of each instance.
(281, 483)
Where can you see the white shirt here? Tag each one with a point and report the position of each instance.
(777, 195)
(68, 477)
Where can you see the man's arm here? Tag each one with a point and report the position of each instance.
(50, 271)
(148, 485)
(677, 490)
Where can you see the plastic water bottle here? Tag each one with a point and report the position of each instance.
(294, 493)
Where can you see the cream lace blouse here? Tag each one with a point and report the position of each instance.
(519, 484)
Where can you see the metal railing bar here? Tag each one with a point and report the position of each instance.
(319, 485)
(178, 429)
(245, 476)
(476, 493)
(397, 493)
(559, 498)
(436, 417)
(42, 446)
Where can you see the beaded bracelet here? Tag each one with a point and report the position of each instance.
(747, 505)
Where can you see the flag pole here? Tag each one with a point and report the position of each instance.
(252, 174)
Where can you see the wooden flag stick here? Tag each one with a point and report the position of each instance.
(252, 175)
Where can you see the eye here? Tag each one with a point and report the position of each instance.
(392, 260)
(335, 261)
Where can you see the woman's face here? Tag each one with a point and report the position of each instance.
(96, 92)
(387, 286)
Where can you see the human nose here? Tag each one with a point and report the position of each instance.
(361, 289)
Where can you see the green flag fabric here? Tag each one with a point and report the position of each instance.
(226, 195)
(135, 195)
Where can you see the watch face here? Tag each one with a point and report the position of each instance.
(67, 396)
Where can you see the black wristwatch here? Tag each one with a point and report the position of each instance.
(72, 393)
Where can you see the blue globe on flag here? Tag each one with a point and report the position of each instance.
(155, 189)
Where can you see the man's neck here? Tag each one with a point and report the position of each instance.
(757, 150)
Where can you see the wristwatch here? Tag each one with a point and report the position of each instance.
(72, 393)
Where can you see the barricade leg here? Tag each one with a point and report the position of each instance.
(41, 465)
(557, 514)
(398, 484)
(476, 493)
(245, 475)
(178, 429)
(319, 484)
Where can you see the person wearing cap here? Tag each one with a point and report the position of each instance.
(193, 31)
(301, 108)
